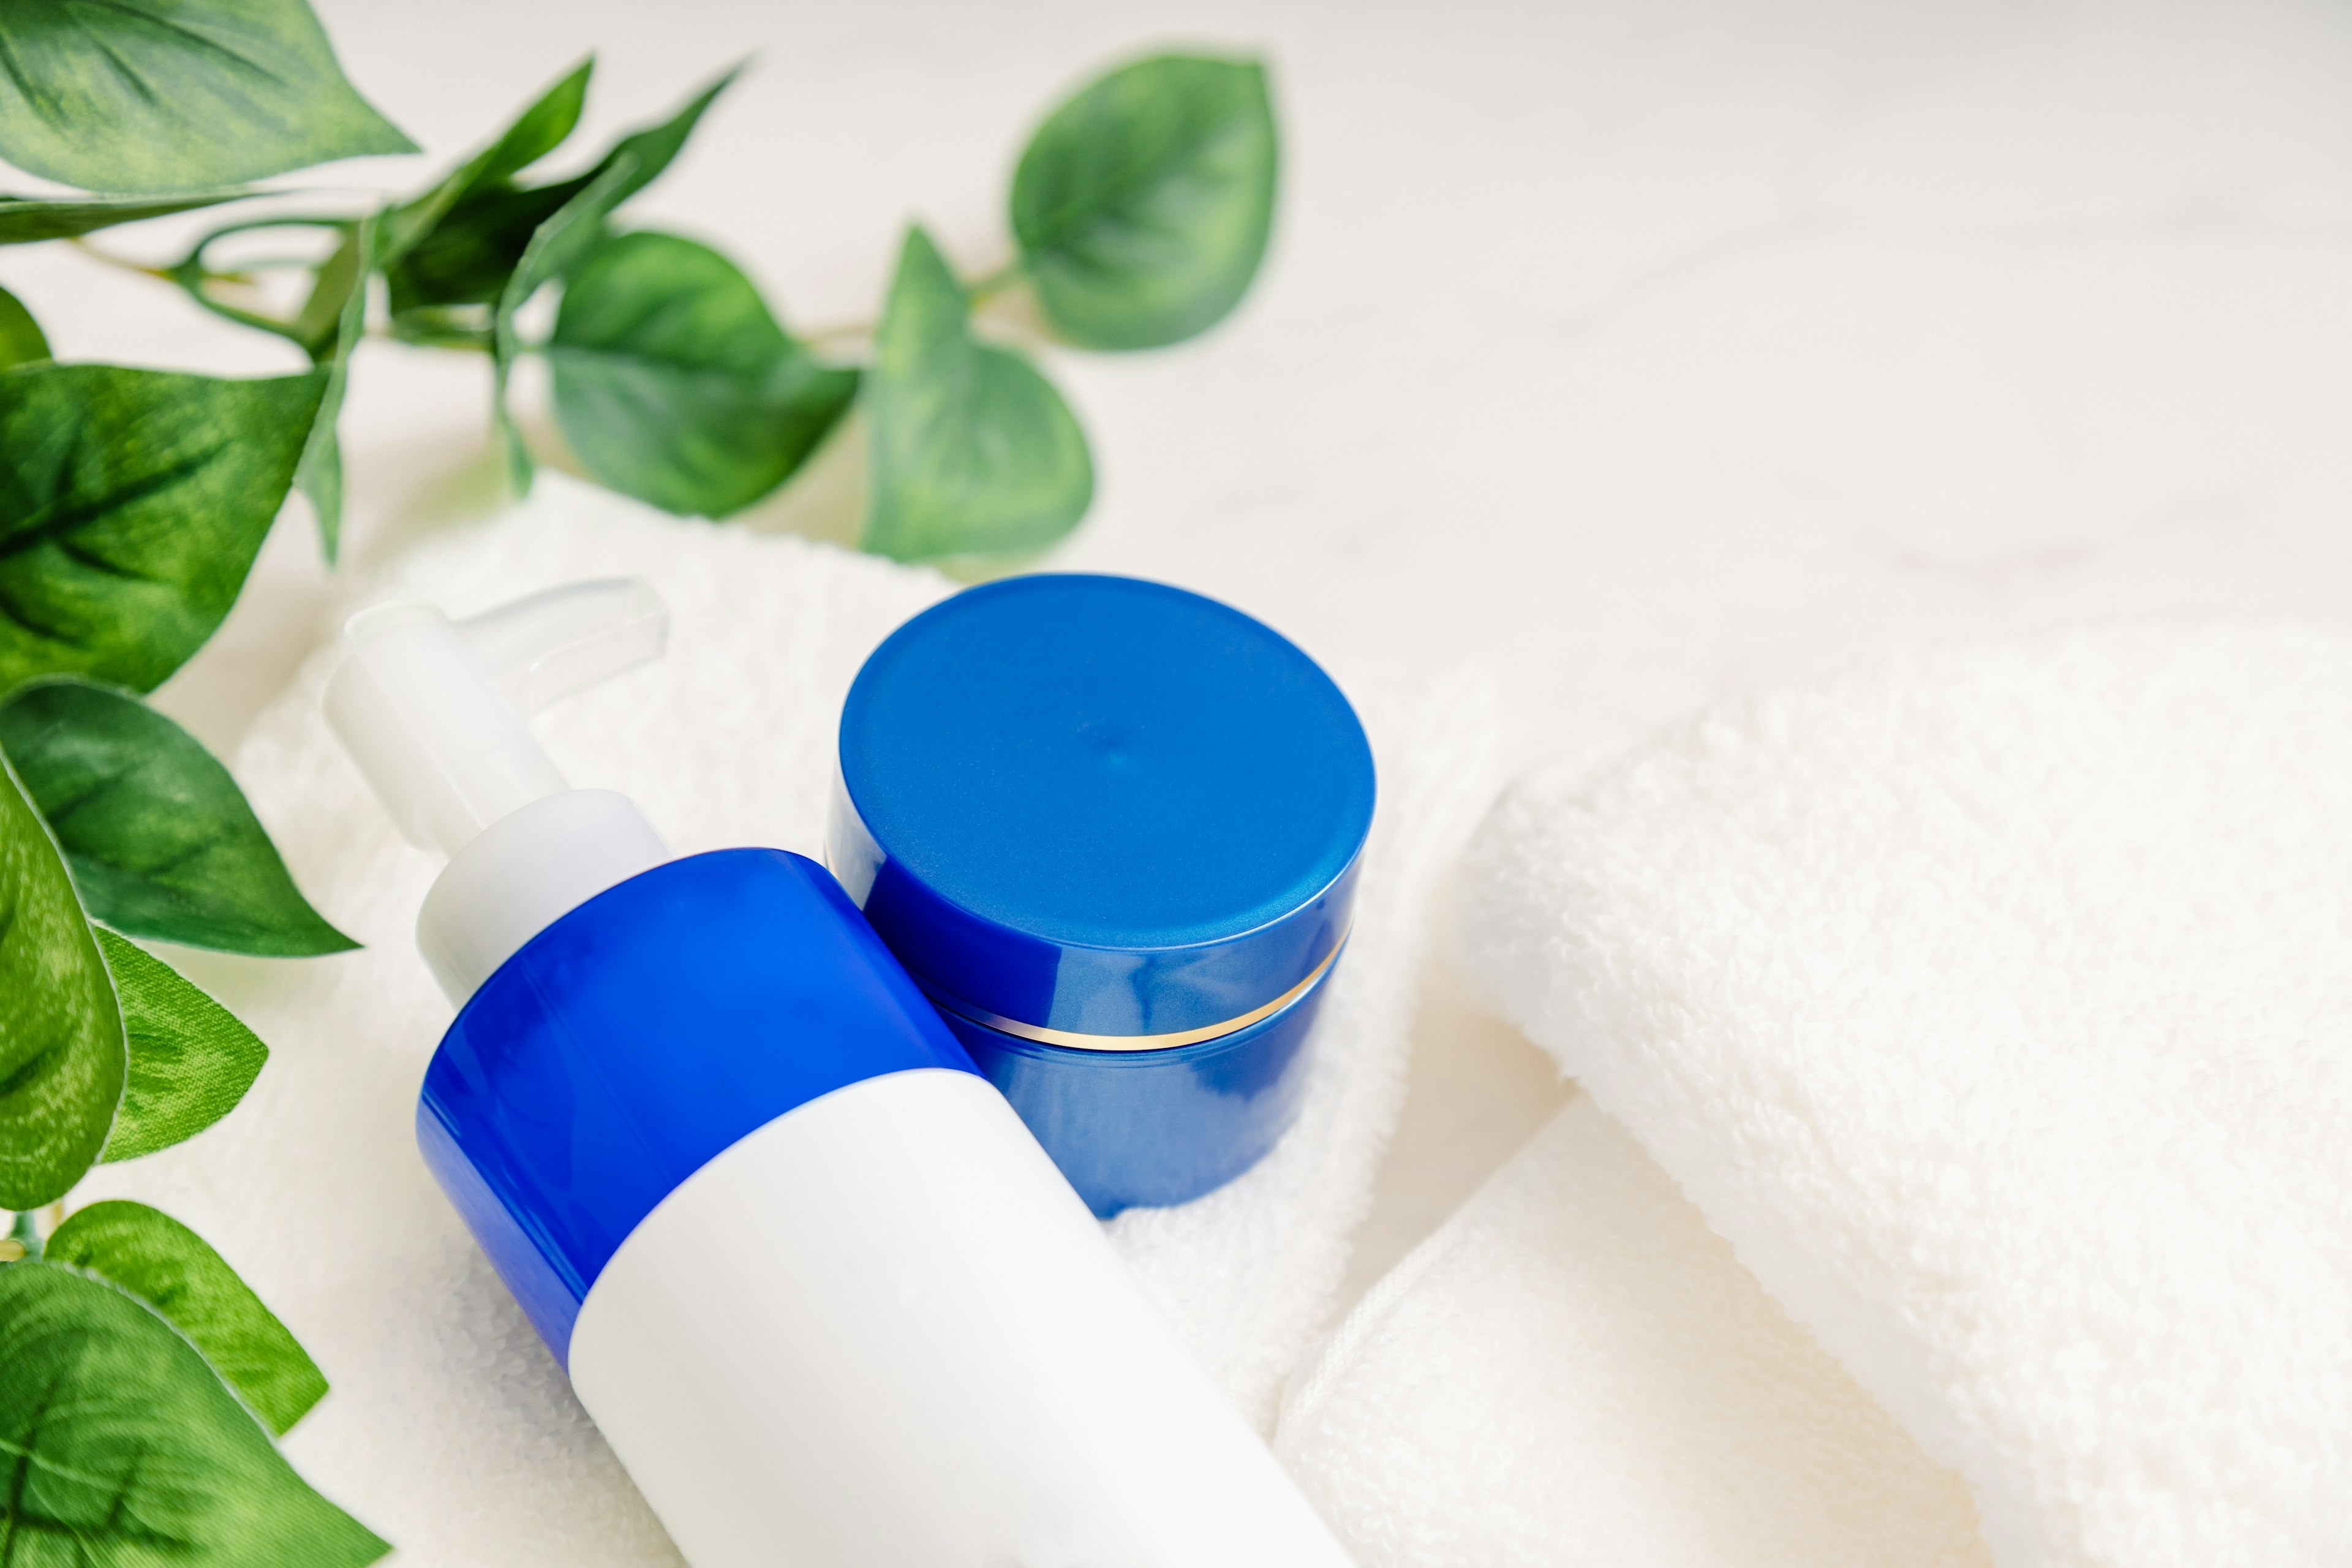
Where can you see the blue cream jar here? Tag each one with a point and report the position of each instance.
(1112, 829)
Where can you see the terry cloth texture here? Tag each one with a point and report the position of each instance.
(1574, 1369)
(450, 1429)
(1993, 1006)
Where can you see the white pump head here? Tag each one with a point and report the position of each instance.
(434, 711)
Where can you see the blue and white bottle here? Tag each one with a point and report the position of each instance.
(817, 1285)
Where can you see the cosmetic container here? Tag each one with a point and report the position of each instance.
(1112, 829)
(819, 1288)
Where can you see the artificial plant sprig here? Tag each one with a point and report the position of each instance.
(140, 1381)
(1140, 211)
(123, 1337)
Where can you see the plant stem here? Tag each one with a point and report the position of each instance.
(837, 330)
(979, 292)
(995, 283)
(22, 1238)
(121, 263)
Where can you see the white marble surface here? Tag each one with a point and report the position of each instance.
(1633, 349)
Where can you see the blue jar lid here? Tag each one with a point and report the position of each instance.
(1101, 812)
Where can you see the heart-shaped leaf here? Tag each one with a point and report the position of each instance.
(132, 502)
(160, 838)
(25, 220)
(22, 341)
(974, 453)
(123, 1448)
(564, 239)
(673, 383)
(1144, 203)
(172, 95)
(175, 1271)
(191, 1060)
(61, 1048)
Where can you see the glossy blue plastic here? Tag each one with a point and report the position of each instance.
(1101, 804)
(1151, 1128)
(641, 1035)
(1100, 807)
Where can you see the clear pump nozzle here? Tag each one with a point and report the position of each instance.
(433, 710)
(436, 713)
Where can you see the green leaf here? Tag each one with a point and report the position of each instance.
(974, 453)
(61, 1049)
(335, 284)
(160, 840)
(171, 95)
(472, 252)
(124, 1448)
(456, 245)
(320, 475)
(175, 1271)
(467, 260)
(191, 1059)
(648, 152)
(536, 132)
(1144, 203)
(25, 220)
(132, 502)
(565, 239)
(560, 241)
(21, 339)
(673, 383)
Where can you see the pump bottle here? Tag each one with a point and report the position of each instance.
(820, 1288)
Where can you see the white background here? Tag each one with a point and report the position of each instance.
(1633, 351)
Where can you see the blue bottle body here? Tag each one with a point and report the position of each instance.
(641, 1035)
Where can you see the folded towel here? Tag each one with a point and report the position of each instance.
(450, 1429)
(1577, 1369)
(1574, 1369)
(1993, 1005)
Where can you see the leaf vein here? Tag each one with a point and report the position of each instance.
(13, 606)
(64, 519)
(129, 74)
(195, 36)
(82, 554)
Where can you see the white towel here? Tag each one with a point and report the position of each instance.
(450, 1430)
(1575, 1369)
(1993, 1005)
